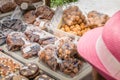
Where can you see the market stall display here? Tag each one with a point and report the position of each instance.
(28, 41)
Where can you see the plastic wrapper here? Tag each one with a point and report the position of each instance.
(36, 35)
(17, 14)
(41, 23)
(30, 50)
(7, 5)
(30, 17)
(30, 33)
(71, 66)
(49, 56)
(13, 24)
(72, 15)
(8, 25)
(66, 48)
(15, 40)
(44, 12)
(96, 19)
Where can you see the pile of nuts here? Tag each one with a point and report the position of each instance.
(66, 48)
(74, 21)
(8, 66)
(71, 66)
(48, 56)
(76, 29)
